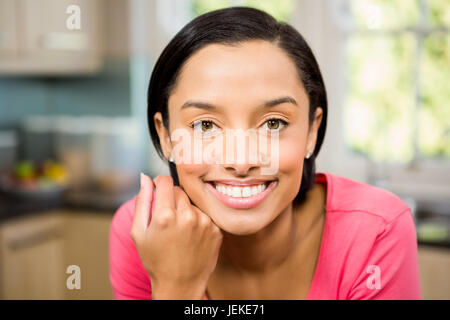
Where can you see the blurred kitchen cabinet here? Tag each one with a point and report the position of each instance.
(87, 246)
(8, 31)
(434, 267)
(36, 251)
(40, 41)
(31, 260)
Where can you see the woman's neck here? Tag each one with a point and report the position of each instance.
(272, 247)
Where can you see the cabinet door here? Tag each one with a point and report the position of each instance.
(46, 28)
(43, 41)
(87, 246)
(32, 258)
(34, 272)
(434, 267)
(8, 29)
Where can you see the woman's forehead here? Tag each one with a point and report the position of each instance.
(256, 69)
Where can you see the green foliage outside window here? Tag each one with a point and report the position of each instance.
(397, 106)
(280, 9)
(434, 116)
(379, 105)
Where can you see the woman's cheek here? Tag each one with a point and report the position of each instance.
(191, 169)
(189, 176)
(291, 155)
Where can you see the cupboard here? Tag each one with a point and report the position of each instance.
(37, 38)
(36, 250)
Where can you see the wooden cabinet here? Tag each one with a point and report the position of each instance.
(434, 268)
(8, 29)
(36, 250)
(87, 246)
(35, 38)
(32, 255)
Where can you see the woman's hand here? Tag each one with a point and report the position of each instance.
(178, 244)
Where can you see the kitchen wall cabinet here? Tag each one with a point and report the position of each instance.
(8, 29)
(36, 250)
(35, 39)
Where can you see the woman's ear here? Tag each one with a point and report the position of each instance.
(313, 130)
(163, 134)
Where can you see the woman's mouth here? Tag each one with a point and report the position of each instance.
(241, 195)
(241, 192)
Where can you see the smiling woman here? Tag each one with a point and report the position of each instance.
(291, 53)
(229, 229)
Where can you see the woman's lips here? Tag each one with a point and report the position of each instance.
(242, 202)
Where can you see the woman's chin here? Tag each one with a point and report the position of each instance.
(239, 228)
(239, 231)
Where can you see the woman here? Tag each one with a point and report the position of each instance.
(228, 229)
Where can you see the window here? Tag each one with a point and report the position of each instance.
(281, 9)
(397, 102)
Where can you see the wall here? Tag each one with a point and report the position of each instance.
(107, 93)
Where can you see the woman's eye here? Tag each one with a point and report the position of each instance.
(207, 125)
(275, 124)
(204, 126)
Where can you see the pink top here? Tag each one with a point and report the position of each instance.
(368, 249)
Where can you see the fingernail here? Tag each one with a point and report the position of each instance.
(142, 180)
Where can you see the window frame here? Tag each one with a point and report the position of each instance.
(325, 24)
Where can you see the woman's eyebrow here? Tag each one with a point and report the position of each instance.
(267, 104)
(280, 100)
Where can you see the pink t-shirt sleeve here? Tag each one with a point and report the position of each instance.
(128, 276)
(391, 269)
(369, 246)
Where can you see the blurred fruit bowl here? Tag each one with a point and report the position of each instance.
(46, 180)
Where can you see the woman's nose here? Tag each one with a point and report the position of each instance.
(241, 169)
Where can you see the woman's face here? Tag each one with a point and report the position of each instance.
(233, 85)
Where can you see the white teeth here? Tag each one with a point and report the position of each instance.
(237, 192)
(240, 192)
(246, 192)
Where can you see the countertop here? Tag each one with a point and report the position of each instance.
(13, 207)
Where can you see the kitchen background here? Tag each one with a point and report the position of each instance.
(74, 137)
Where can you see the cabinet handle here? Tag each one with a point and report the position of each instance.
(34, 239)
(64, 41)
